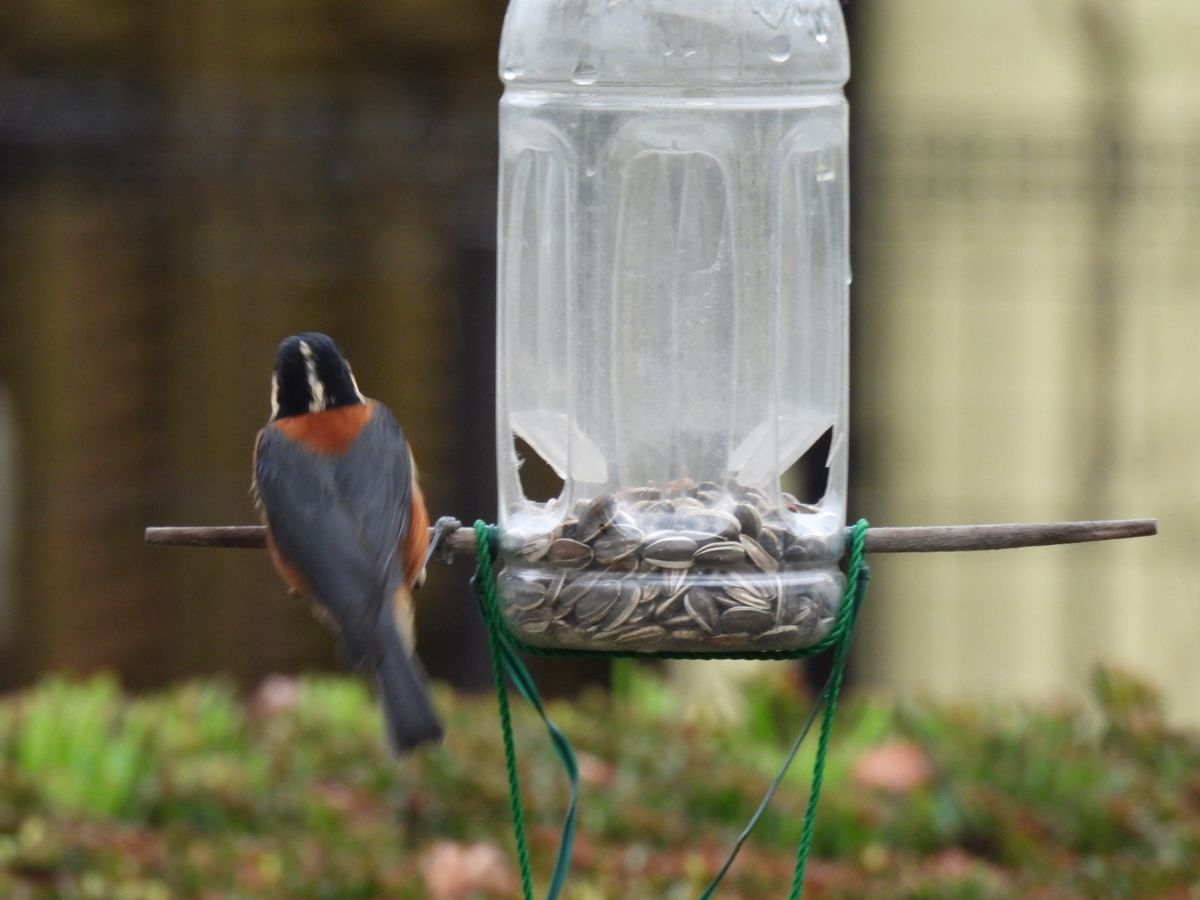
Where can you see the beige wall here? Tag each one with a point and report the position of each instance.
(1028, 342)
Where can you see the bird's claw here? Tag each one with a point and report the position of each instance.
(439, 542)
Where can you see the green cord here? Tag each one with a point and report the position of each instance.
(506, 661)
(487, 585)
(856, 585)
(504, 646)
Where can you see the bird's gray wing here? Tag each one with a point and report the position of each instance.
(318, 532)
(374, 481)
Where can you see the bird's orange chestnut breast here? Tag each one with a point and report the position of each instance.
(328, 431)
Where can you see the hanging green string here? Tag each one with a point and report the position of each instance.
(856, 587)
(505, 660)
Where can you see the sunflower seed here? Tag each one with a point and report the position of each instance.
(807, 547)
(762, 560)
(640, 614)
(715, 521)
(748, 517)
(721, 553)
(522, 594)
(596, 516)
(791, 504)
(770, 541)
(642, 634)
(670, 552)
(535, 548)
(700, 605)
(652, 588)
(573, 592)
(596, 603)
(743, 597)
(700, 537)
(751, 583)
(755, 497)
(666, 607)
(625, 565)
(795, 608)
(679, 487)
(746, 620)
(610, 548)
(623, 520)
(554, 588)
(782, 635)
(643, 493)
(675, 580)
(569, 554)
(626, 604)
(822, 629)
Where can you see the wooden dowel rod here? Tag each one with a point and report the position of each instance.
(936, 538)
(904, 539)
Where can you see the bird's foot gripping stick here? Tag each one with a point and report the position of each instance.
(439, 540)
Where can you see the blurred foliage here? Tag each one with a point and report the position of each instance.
(196, 792)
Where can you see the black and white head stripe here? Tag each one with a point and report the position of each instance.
(311, 375)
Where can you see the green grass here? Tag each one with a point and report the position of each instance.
(196, 792)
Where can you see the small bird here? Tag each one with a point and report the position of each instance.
(346, 523)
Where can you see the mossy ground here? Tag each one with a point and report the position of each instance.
(197, 792)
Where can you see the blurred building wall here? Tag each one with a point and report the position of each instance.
(1026, 279)
(180, 188)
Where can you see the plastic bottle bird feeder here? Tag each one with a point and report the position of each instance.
(673, 280)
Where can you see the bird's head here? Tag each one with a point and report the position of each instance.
(311, 375)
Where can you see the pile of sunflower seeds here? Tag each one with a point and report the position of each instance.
(695, 566)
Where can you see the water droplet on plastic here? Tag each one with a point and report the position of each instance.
(585, 73)
(820, 28)
(514, 67)
(689, 48)
(826, 175)
(779, 48)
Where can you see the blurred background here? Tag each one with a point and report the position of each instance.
(182, 186)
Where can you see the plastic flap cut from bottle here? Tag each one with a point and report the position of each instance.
(672, 322)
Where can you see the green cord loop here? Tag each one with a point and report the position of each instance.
(505, 660)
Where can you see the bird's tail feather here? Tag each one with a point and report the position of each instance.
(407, 709)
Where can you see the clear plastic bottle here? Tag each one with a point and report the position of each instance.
(673, 278)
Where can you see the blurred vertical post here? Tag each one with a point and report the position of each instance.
(8, 498)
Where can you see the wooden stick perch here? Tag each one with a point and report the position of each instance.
(904, 539)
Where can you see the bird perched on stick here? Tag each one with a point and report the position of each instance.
(346, 523)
